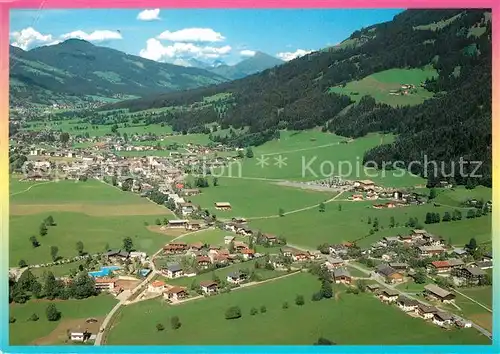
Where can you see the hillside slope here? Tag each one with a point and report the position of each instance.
(77, 67)
(455, 43)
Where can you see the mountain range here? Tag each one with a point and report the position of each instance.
(76, 68)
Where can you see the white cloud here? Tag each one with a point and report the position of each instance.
(192, 35)
(155, 50)
(96, 36)
(247, 53)
(287, 56)
(149, 15)
(28, 38)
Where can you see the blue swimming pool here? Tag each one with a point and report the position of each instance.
(144, 272)
(104, 271)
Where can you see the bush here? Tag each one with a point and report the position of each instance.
(52, 313)
(12, 319)
(34, 317)
(317, 296)
(233, 312)
(285, 305)
(253, 311)
(263, 309)
(299, 300)
(175, 322)
(159, 327)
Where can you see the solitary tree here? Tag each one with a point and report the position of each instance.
(432, 194)
(253, 311)
(52, 313)
(128, 245)
(281, 212)
(64, 138)
(159, 327)
(326, 289)
(233, 312)
(249, 153)
(43, 229)
(299, 300)
(79, 247)
(241, 154)
(34, 242)
(392, 222)
(22, 263)
(340, 207)
(215, 182)
(54, 250)
(321, 207)
(49, 221)
(175, 322)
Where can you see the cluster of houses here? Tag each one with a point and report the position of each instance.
(416, 308)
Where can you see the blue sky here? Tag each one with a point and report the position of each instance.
(173, 35)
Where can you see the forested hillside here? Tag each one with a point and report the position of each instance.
(455, 123)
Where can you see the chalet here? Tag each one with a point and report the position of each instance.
(236, 277)
(270, 239)
(175, 247)
(175, 293)
(174, 271)
(418, 234)
(244, 230)
(435, 292)
(334, 262)
(222, 206)
(391, 239)
(398, 266)
(116, 255)
(356, 197)
(247, 253)
(195, 225)
(239, 220)
(364, 185)
(388, 295)
(484, 265)
(471, 274)
(138, 255)
(433, 240)
(209, 287)
(462, 324)
(239, 246)
(178, 223)
(455, 263)
(406, 304)
(197, 246)
(442, 319)
(187, 208)
(406, 238)
(342, 275)
(203, 262)
(105, 283)
(157, 286)
(228, 239)
(460, 252)
(390, 274)
(339, 250)
(373, 287)
(426, 251)
(301, 256)
(426, 312)
(190, 192)
(441, 266)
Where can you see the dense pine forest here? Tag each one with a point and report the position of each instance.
(455, 123)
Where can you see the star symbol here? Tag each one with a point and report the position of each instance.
(262, 161)
(280, 161)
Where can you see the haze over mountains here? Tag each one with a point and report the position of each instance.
(76, 68)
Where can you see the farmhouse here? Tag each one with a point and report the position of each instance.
(178, 223)
(187, 208)
(388, 295)
(190, 192)
(398, 266)
(391, 274)
(455, 263)
(441, 266)
(270, 239)
(426, 251)
(247, 253)
(342, 275)
(373, 287)
(236, 277)
(471, 274)
(332, 262)
(175, 293)
(195, 225)
(228, 239)
(364, 185)
(197, 246)
(407, 304)
(426, 312)
(175, 247)
(433, 240)
(116, 255)
(435, 292)
(418, 234)
(484, 265)
(460, 252)
(203, 262)
(174, 271)
(157, 286)
(442, 319)
(222, 206)
(209, 287)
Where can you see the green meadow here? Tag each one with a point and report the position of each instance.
(24, 332)
(254, 198)
(311, 228)
(336, 319)
(298, 158)
(380, 84)
(458, 195)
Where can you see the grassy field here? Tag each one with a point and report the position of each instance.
(92, 212)
(222, 273)
(335, 319)
(473, 311)
(213, 237)
(58, 270)
(311, 228)
(482, 294)
(320, 158)
(379, 85)
(24, 332)
(459, 194)
(250, 198)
